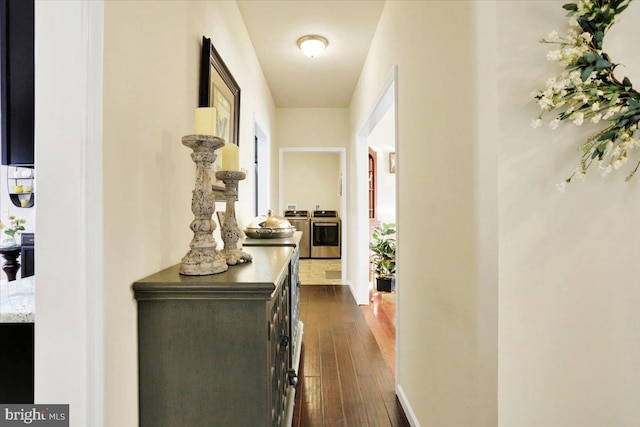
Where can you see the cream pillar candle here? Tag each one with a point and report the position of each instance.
(230, 157)
(205, 123)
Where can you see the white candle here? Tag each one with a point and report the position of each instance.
(205, 123)
(230, 157)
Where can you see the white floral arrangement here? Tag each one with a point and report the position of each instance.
(17, 224)
(587, 90)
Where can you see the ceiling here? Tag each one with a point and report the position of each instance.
(328, 80)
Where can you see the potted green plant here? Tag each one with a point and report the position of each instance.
(383, 248)
(16, 226)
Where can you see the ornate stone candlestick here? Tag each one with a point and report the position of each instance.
(230, 231)
(203, 258)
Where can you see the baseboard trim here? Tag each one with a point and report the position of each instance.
(353, 292)
(406, 406)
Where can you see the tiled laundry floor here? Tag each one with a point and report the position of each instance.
(321, 271)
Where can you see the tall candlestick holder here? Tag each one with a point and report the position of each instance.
(203, 258)
(230, 231)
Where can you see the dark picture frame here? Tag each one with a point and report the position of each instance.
(219, 89)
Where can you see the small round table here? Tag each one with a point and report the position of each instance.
(11, 264)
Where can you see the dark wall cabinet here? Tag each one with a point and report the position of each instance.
(16, 363)
(216, 350)
(27, 254)
(17, 83)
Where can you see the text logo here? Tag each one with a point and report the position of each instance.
(34, 415)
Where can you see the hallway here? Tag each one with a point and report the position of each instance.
(343, 378)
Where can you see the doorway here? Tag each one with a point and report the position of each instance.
(310, 176)
(378, 134)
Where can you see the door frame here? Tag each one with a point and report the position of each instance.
(342, 151)
(387, 98)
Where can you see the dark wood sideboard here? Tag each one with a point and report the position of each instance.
(216, 350)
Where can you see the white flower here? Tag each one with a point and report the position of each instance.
(554, 55)
(606, 170)
(562, 187)
(553, 124)
(545, 103)
(571, 55)
(609, 146)
(581, 97)
(574, 22)
(553, 35)
(619, 162)
(586, 36)
(610, 112)
(616, 152)
(595, 106)
(576, 79)
(578, 118)
(596, 118)
(536, 122)
(599, 92)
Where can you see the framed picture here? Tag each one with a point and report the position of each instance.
(219, 89)
(392, 162)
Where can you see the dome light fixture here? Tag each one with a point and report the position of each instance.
(312, 45)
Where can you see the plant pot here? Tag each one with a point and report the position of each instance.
(384, 284)
(7, 241)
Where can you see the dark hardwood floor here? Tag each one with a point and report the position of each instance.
(381, 318)
(343, 378)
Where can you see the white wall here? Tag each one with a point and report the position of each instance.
(68, 327)
(447, 310)
(312, 127)
(311, 178)
(569, 295)
(151, 75)
(309, 127)
(151, 68)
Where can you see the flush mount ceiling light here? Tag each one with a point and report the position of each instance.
(312, 46)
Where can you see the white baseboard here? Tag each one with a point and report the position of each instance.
(353, 291)
(406, 406)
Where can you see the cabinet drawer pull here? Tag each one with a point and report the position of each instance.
(284, 341)
(293, 377)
